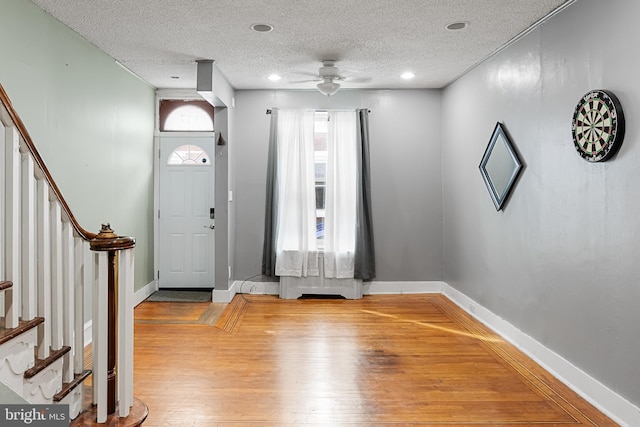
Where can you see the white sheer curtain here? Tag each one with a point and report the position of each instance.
(340, 213)
(296, 247)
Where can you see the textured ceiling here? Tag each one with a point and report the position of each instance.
(370, 39)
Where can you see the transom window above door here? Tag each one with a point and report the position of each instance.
(177, 115)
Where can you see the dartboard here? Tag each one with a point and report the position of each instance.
(598, 126)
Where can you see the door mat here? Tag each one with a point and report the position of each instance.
(179, 295)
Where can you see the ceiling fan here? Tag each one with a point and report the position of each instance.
(329, 73)
(329, 76)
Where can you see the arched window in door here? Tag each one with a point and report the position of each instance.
(189, 155)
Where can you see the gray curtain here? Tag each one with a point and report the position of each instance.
(271, 204)
(364, 263)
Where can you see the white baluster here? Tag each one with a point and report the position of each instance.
(78, 281)
(68, 306)
(3, 167)
(12, 224)
(125, 331)
(44, 268)
(57, 299)
(100, 327)
(28, 279)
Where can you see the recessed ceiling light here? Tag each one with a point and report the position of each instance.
(262, 28)
(274, 77)
(408, 75)
(455, 26)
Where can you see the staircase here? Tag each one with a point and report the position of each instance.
(45, 259)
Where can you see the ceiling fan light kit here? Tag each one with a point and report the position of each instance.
(328, 87)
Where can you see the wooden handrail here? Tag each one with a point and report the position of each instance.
(82, 232)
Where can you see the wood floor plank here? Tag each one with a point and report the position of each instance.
(381, 360)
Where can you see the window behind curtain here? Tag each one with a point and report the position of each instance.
(320, 166)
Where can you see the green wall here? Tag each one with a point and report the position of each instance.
(91, 120)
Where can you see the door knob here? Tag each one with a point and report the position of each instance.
(209, 226)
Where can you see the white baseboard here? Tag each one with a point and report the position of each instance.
(145, 292)
(607, 401)
(385, 288)
(246, 287)
(224, 295)
(259, 288)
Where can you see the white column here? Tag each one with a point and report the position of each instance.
(125, 331)
(3, 205)
(12, 226)
(100, 333)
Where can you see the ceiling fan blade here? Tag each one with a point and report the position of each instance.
(306, 73)
(306, 81)
(358, 79)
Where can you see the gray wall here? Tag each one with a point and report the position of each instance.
(91, 120)
(405, 176)
(222, 221)
(560, 262)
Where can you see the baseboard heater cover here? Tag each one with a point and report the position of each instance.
(295, 287)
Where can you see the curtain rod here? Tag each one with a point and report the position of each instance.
(368, 111)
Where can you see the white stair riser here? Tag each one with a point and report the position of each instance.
(74, 400)
(16, 356)
(41, 388)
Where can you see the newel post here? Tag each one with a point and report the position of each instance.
(108, 247)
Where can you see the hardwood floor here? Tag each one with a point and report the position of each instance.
(382, 360)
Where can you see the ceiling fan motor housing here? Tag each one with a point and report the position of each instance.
(329, 70)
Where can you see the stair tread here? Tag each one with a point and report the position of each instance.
(5, 285)
(42, 364)
(68, 387)
(9, 334)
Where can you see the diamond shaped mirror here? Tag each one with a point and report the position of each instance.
(500, 166)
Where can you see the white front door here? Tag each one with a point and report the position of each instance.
(186, 223)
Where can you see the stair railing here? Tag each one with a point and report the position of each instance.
(42, 252)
